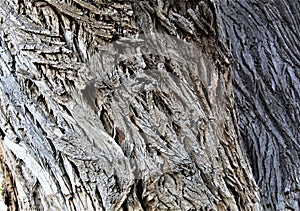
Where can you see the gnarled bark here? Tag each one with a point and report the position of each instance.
(125, 105)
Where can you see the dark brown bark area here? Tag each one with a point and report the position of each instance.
(264, 41)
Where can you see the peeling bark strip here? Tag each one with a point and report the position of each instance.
(128, 105)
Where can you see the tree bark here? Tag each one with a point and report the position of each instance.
(129, 105)
(264, 42)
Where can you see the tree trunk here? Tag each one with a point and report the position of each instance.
(129, 105)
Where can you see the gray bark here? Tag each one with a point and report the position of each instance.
(126, 105)
(264, 41)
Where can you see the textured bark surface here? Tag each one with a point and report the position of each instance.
(264, 41)
(128, 105)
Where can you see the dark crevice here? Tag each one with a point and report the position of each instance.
(99, 198)
(234, 193)
(107, 122)
(2, 133)
(139, 193)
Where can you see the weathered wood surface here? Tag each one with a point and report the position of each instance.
(124, 105)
